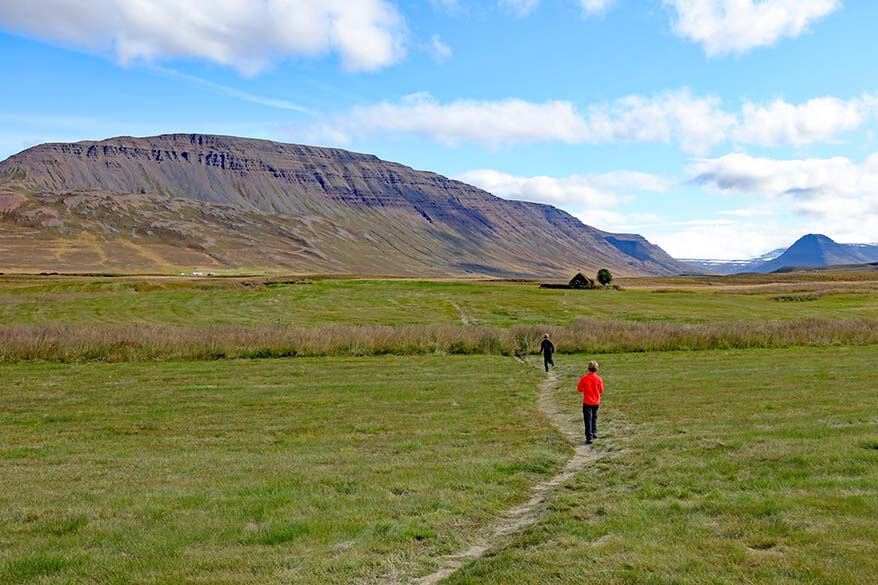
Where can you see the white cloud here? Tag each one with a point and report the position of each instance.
(778, 201)
(742, 173)
(724, 241)
(695, 123)
(439, 50)
(596, 6)
(491, 123)
(816, 120)
(835, 196)
(577, 192)
(573, 191)
(249, 36)
(736, 26)
(520, 8)
(595, 199)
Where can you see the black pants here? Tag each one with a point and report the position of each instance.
(547, 360)
(590, 416)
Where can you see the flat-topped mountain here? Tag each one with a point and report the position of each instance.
(192, 200)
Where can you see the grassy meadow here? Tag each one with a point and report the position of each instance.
(148, 318)
(387, 424)
(757, 466)
(293, 471)
(320, 302)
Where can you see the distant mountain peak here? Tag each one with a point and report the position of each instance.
(810, 250)
(819, 250)
(815, 239)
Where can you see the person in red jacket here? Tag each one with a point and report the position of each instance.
(591, 387)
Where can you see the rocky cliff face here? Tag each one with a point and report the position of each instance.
(355, 212)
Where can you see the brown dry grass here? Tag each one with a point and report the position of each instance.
(163, 342)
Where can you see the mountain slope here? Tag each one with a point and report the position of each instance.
(249, 203)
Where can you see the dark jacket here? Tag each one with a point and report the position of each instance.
(547, 347)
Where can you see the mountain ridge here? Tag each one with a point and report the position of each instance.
(340, 203)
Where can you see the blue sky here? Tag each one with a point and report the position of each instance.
(716, 128)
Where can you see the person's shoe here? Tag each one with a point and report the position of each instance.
(588, 441)
(595, 436)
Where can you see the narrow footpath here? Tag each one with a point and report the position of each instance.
(526, 514)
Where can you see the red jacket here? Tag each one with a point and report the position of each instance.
(591, 386)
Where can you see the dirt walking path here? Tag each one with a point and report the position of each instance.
(464, 318)
(526, 514)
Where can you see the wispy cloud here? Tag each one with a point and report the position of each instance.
(577, 192)
(439, 50)
(520, 8)
(596, 6)
(452, 7)
(279, 104)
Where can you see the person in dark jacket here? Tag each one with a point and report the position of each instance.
(547, 348)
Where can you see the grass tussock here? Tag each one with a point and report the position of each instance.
(141, 342)
(795, 298)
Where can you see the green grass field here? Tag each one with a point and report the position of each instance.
(716, 467)
(735, 466)
(293, 471)
(403, 302)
